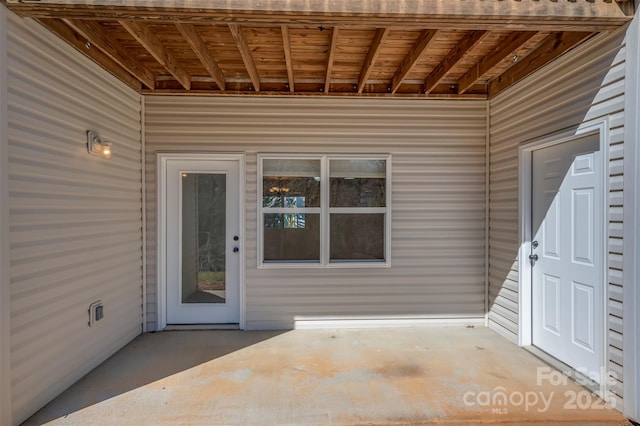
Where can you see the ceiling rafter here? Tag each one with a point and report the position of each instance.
(464, 46)
(190, 34)
(412, 57)
(372, 55)
(506, 48)
(289, 58)
(553, 46)
(80, 43)
(332, 50)
(286, 43)
(99, 38)
(153, 45)
(245, 52)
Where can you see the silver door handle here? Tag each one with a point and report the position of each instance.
(533, 257)
(236, 249)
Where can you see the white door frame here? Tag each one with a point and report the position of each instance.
(524, 267)
(162, 159)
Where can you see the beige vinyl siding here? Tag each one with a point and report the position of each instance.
(585, 86)
(438, 199)
(75, 219)
(5, 350)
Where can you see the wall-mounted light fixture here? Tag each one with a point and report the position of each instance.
(97, 146)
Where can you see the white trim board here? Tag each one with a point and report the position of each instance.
(5, 330)
(487, 204)
(162, 158)
(631, 220)
(525, 152)
(321, 323)
(143, 181)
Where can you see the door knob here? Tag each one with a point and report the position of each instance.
(533, 258)
(534, 244)
(236, 249)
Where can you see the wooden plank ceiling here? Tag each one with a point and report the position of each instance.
(432, 48)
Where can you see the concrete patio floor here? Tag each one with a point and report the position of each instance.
(364, 376)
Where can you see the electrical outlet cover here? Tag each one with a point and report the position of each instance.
(96, 312)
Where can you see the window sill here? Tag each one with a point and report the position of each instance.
(337, 265)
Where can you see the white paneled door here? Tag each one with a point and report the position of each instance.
(202, 241)
(566, 254)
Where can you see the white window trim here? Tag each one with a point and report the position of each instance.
(325, 212)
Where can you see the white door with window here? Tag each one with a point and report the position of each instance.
(200, 211)
(566, 253)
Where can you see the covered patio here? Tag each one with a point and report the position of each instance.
(367, 163)
(421, 375)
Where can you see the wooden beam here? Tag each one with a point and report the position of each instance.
(78, 41)
(512, 43)
(153, 45)
(332, 49)
(554, 45)
(198, 46)
(372, 56)
(412, 57)
(465, 45)
(286, 43)
(247, 57)
(548, 15)
(99, 38)
(307, 94)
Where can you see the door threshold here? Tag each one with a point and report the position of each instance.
(185, 327)
(565, 369)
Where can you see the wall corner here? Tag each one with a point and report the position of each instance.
(487, 207)
(5, 346)
(631, 261)
(143, 194)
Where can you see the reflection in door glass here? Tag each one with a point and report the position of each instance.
(203, 238)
